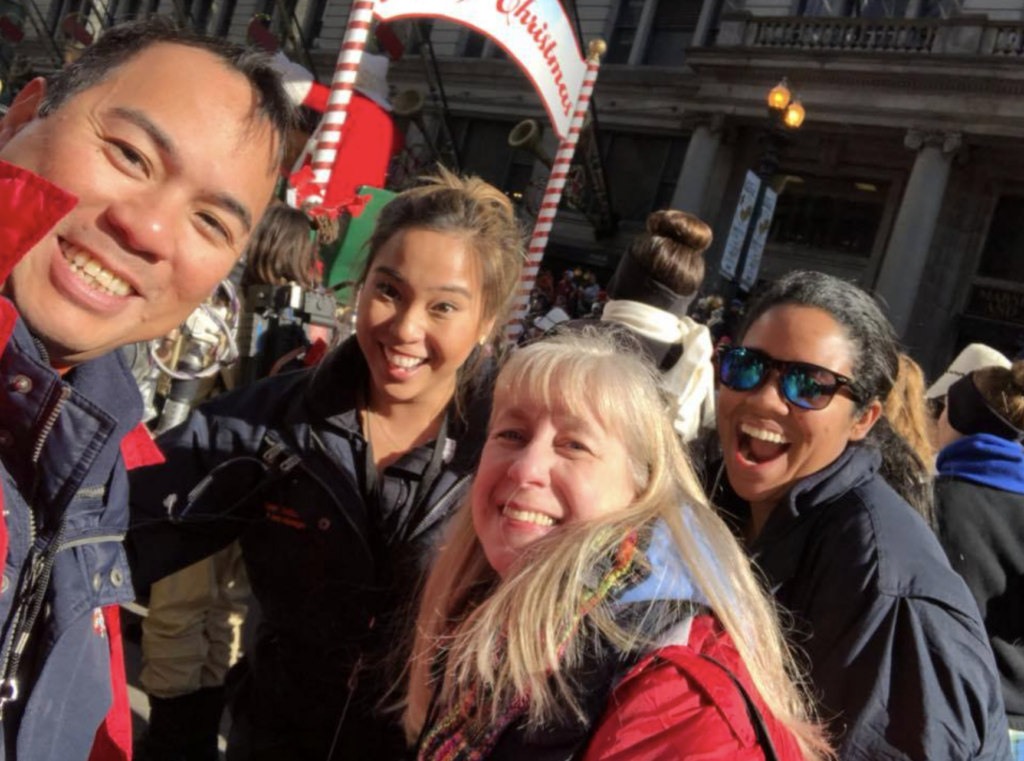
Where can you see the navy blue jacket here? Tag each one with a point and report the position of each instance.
(897, 652)
(334, 563)
(65, 499)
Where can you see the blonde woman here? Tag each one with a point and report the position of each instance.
(588, 603)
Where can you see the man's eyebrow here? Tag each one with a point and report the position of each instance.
(232, 205)
(396, 275)
(164, 142)
(156, 134)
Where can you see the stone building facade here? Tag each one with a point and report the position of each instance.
(907, 176)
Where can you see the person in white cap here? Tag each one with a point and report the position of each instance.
(980, 507)
(974, 357)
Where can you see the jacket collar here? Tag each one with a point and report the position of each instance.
(93, 407)
(31, 206)
(337, 383)
(790, 521)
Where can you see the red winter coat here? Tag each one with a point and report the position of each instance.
(677, 705)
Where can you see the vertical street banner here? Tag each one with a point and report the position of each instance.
(740, 224)
(536, 34)
(763, 224)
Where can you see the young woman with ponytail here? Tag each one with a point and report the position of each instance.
(587, 602)
(894, 641)
(980, 507)
(339, 479)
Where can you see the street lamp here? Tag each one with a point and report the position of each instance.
(780, 96)
(786, 114)
(785, 108)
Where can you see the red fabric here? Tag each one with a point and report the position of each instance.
(369, 140)
(139, 450)
(30, 207)
(389, 41)
(317, 97)
(113, 740)
(675, 705)
(39, 204)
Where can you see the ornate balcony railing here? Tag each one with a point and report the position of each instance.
(965, 35)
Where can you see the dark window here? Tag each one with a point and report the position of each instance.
(624, 35)
(829, 214)
(474, 45)
(675, 21)
(642, 172)
(1003, 255)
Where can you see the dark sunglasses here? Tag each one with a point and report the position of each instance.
(804, 385)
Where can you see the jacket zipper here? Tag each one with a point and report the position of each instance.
(24, 617)
(91, 540)
(37, 452)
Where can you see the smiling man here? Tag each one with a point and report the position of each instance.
(129, 184)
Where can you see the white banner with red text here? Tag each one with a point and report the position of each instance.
(535, 33)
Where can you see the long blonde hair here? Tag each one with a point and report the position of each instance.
(466, 610)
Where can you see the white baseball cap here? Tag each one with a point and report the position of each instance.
(974, 357)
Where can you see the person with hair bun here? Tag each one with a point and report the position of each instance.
(338, 479)
(896, 647)
(980, 509)
(587, 602)
(650, 293)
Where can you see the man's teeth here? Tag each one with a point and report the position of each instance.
(403, 360)
(93, 273)
(528, 516)
(763, 435)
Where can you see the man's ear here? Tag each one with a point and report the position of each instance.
(866, 420)
(23, 110)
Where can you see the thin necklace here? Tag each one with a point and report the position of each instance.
(370, 418)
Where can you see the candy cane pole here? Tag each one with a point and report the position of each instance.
(342, 85)
(553, 192)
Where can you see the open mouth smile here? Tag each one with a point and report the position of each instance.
(756, 445)
(528, 516)
(92, 273)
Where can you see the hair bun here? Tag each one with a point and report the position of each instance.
(685, 229)
(1017, 372)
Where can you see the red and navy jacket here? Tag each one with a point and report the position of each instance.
(65, 445)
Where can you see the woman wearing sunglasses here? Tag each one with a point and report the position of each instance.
(894, 641)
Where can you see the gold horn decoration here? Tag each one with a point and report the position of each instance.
(407, 107)
(526, 135)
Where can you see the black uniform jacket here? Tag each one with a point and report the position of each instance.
(982, 529)
(334, 555)
(893, 639)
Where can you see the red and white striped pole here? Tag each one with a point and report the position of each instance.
(344, 82)
(553, 192)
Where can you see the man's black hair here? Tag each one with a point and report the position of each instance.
(121, 43)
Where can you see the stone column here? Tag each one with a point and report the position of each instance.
(698, 165)
(912, 234)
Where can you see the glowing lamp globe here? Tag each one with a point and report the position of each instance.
(779, 96)
(794, 115)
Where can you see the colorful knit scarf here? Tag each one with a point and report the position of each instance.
(462, 734)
